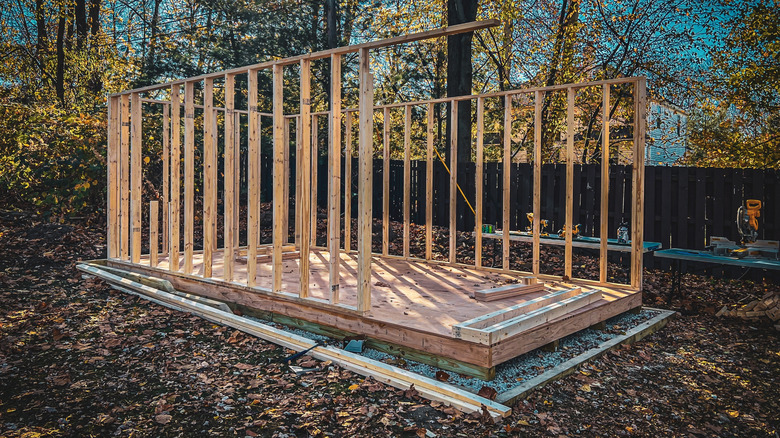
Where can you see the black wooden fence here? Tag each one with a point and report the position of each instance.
(684, 206)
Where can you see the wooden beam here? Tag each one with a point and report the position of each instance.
(429, 185)
(506, 190)
(209, 177)
(407, 176)
(569, 221)
(175, 187)
(166, 184)
(136, 146)
(508, 291)
(604, 215)
(113, 177)
(314, 164)
(366, 148)
(286, 179)
(229, 201)
(386, 180)
(537, 201)
(298, 183)
(638, 182)
(124, 178)
(479, 183)
(154, 241)
(253, 179)
(403, 39)
(189, 174)
(348, 182)
(279, 199)
(453, 231)
(304, 211)
(334, 180)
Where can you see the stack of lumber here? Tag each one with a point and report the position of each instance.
(525, 286)
(767, 307)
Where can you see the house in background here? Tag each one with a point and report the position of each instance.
(666, 134)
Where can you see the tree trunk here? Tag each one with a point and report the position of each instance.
(60, 76)
(81, 22)
(459, 72)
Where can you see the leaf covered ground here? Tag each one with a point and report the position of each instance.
(79, 359)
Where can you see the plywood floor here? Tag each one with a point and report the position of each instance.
(419, 295)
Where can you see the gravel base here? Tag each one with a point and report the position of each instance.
(516, 371)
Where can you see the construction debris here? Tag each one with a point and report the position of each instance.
(767, 308)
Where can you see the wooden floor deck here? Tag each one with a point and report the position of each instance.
(414, 304)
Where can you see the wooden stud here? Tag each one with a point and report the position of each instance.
(253, 180)
(604, 216)
(366, 148)
(314, 164)
(286, 180)
(113, 177)
(166, 163)
(479, 183)
(334, 180)
(209, 177)
(230, 177)
(135, 176)
(236, 175)
(638, 182)
(154, 241)
(386, 181)
(124, 178)
(507, 178)
(537, 201)
(175, 183)
(348, 182)
(215, 174)
(298, 183)
(453, 231)
(407, 176)
(304, 211)
(429, 186)
(569, 182)
(279, 198)
(189, 174)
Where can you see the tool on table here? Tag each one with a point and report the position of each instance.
(747, 227)
(543, 223)
(622, 232)
(574, 234)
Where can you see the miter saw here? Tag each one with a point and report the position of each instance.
(747, 227)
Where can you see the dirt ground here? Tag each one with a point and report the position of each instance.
(79, 359)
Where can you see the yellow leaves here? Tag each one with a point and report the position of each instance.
(585, 388)
(146, 160)
(353, 387)
(733, 414)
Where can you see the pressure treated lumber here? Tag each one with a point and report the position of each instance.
(334, 180)
(253, 179)
(365, 181)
